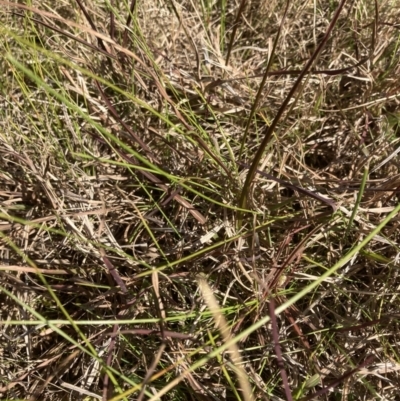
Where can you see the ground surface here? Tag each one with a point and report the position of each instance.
(199, 201)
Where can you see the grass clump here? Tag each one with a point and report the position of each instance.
(199, 200)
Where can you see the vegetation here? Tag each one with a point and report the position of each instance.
(199, 200)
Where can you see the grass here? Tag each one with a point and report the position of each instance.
(199, 200)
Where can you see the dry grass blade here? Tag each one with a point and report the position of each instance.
(222, 325)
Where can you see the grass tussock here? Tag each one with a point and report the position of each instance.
(199, 200)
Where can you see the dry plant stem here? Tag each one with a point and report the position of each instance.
(262, 84)
(112, 270)
(382, 319)
(273, 277)
(91, 23)
(375, 29)
(60, 367)
(108, 386)
(194, 47)
(151, 370)
(331, 72)
(134, 136)
(269, 130)
(111, 30)
(334, 384)
(128, 22)
(313, 195)
(234, 30)
(338, 71)
(278, 352)
(69, 35)
(162, 315)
